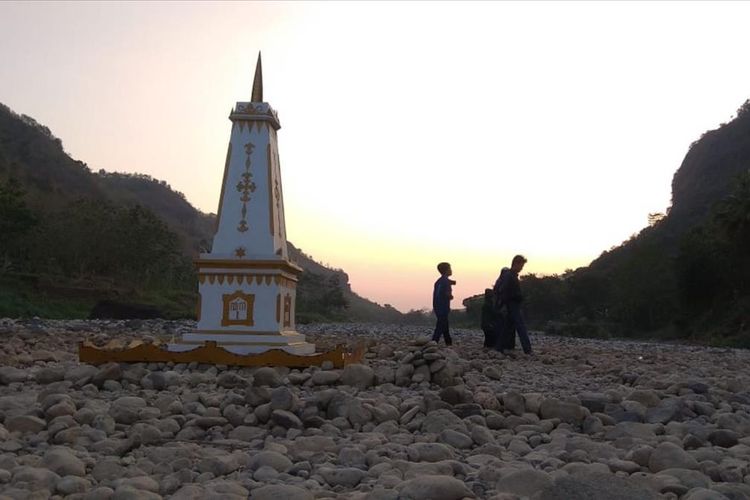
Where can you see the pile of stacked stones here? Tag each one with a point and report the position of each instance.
(583, 419)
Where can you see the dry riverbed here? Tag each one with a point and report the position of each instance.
(583, 419)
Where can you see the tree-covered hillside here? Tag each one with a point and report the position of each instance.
(72, 237)
(687, 275)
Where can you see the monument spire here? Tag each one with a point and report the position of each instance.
(247, 283)
(257, 95)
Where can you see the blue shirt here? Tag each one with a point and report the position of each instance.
(441, 296)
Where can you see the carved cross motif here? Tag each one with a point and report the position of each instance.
(245, 187)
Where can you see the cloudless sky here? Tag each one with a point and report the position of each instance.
(411, 132)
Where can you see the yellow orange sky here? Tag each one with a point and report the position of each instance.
(411, 132)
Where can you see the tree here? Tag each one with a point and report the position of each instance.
(16, 219)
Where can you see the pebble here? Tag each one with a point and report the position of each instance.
(583, 419)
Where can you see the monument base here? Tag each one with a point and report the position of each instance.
(137, 351)
(293, 343)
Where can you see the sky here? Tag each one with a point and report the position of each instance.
(412, 133)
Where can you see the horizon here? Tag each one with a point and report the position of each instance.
(574, 115)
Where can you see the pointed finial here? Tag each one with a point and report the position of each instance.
(258, 83)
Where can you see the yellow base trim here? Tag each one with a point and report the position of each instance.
(274, 344)
(210, 353)
(241, 332)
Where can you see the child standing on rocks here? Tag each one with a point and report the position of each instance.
(442, 295)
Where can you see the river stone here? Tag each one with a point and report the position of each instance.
(704, 494)
(427, 487)
(525, 482)
(514, 403)
(352, 457)
(266, 376)
(283, 399)
(455, 439)
(670, 456)
(645, 397)
(109, 371)
(733, 490)
(594, 401)
(735, 422)
(322, 377)
(358, 375)
(219, 465)
(315, 444)
(596, 486)
(247, 433)
(432, 452)
(272, 459)
(724, 438)
(49, 375)
(62, 462)
(230, 380)
(35, 477)
(226, 490)
(493, 372)
(383, 412)
(11, 374)
(456, 395)
(107, 470)
(125, 410)
(69, 485)
(566, 412)
(286, 419)
(100, 493)
(690, 478)
(667, 411)
(345, 476)
(280, 492)
(141, 483)
(436, 421)
(24, 424)
(130, 493)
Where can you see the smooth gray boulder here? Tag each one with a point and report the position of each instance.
(596, 486)
(358, 375)
(280, 492)
(433, 488)
(524, 483)
(670, 456)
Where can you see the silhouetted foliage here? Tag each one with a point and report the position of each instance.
(16, 220)
(685, 275)
(76, 232)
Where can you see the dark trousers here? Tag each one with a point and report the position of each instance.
(516, 323)
(505, 337)
(489, 336)
(441, 330)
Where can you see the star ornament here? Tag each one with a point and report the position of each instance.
(239, 252)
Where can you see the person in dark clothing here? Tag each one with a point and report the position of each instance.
(504, 339)
(442, 295)
(488, 317)
(512, 297)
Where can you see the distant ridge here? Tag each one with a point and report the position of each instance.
(51, 179)
(686, 275)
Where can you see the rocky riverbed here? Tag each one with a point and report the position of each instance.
(582, 419)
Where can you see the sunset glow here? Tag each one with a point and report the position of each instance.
(411, 132)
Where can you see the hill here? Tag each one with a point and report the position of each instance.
(74, 237)
(687, 275)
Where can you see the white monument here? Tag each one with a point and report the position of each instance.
(247, 283)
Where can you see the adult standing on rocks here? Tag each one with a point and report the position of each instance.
(512, 297)
(442, 295)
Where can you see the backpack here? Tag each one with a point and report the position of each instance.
(498, 288)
